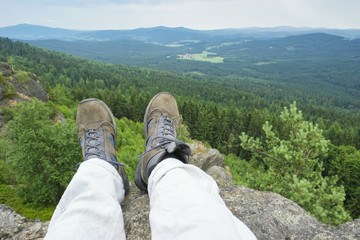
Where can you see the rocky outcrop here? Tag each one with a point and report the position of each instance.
(211, 161)
(204, 157)
(6, 69)
(15, 226)
(271, 216)
(268, 215)
(17, 87)
(30, 89)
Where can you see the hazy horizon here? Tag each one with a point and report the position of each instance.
(252, 27)
(193, 14)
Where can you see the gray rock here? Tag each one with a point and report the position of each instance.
(205, 158)
(271, 216)
(14, 226)
(211, 161)
(60, 118)
(32, 88)
(268, 215)
(220, 175)
(136, 211)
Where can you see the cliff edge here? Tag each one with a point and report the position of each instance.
(268, 215)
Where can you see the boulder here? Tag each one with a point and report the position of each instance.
(205, 158)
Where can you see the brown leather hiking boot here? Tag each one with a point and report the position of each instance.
(97, 132)
(161, 122)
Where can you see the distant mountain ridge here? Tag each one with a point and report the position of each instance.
(317, 68)
(163, 35)
(134, 52)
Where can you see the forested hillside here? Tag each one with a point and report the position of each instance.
(317, 69)
(210, 96)
(216, 111)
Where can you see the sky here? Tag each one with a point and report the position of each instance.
(195, 14)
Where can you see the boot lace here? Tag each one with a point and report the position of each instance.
(94, 144)
(95, 147)
(165, 135)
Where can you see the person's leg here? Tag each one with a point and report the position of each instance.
(184, 201)
(185, 204)
(90, 207)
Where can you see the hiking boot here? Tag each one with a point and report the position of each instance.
(161, 122)
(96, 130)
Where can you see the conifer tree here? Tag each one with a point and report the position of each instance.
(294, 169)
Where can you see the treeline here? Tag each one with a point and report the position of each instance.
(217, 126)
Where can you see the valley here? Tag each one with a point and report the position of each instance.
(226, 85)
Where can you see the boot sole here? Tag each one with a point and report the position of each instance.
(138, 180)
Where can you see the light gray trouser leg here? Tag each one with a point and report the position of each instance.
(185, 204)
(90, 206)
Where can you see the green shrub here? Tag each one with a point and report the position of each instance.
(130, 144)
(9, 91)
(9, 197)
(6, 176)
(7, 113)
(239, 169)
(183, 132)
(22, 77)
(69, 113)
(42, 154)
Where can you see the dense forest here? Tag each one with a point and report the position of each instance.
(317, 69)
(198, 96)
(215, 110)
